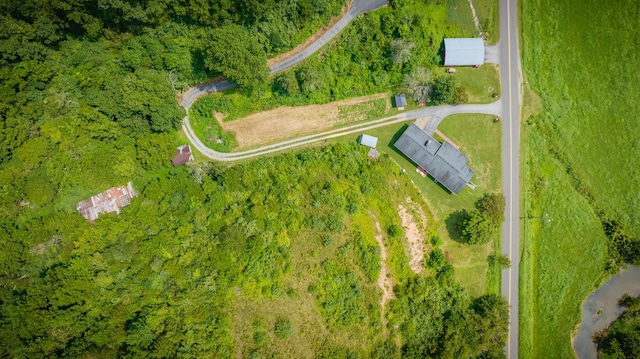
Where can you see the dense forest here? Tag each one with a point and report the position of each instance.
(89, 102)
(89, 89)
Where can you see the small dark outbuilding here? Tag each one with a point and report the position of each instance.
(442, 161)
(183, 155)
(401, 101)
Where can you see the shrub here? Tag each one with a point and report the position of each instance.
(436, 259)
(436, 241)
(478, 228)
(394, 230)
(283, 328)
(326, 240)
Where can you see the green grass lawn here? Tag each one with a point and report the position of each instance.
(477, 81)
(459, 13)
(488, 11)
(480, 139)
(580, 59)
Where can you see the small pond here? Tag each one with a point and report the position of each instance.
(601, 309)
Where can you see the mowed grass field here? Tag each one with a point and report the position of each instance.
(480, 140)
(581, 58)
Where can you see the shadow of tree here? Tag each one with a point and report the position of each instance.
(454, 224)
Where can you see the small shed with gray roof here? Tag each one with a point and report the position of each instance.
(442, 161)
(368, 141)
(401, 101)
(463, 52)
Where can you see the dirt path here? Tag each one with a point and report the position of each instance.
(287, 122)
(475, 17)
(384, 282)
(438, 113)
(414, 234)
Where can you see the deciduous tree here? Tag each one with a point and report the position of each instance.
(235, 52)
(418, 84)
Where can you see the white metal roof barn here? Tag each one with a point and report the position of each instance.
(463, 52)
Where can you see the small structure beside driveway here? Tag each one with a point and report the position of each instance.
(371, 142)
(183, 155)
(368, 141)
(401, 101)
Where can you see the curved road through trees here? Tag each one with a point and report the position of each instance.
(358, 7)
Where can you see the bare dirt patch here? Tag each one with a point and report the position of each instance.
(422, 121)
(414, 231)
(296, 50)
(384, 282)
(219, 116)
(286, 121)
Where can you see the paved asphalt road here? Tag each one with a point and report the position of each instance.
(510, 77)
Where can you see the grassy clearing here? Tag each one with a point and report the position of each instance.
(488, 16)
(289, 122)
(590, 115)
(560, 263)
(480, 139)
(459, 13)
(363, 111)
(477, 81)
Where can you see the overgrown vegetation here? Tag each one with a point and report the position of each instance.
(621, 339)
(195, 240)
(372, 55)
(586, 114)
(207, 126)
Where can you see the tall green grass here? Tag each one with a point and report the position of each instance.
(580, 58)
(562, 259)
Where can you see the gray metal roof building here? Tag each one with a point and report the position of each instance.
(401, 100)
(368, 141)
(463, 52)
(441, 160)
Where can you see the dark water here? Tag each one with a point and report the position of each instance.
(601, 309)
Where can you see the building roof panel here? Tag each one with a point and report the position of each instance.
(442, 161)
(463, 52)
